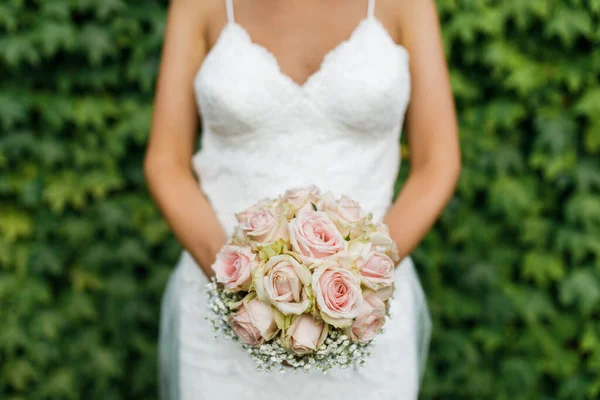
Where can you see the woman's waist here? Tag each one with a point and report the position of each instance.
(231, 193)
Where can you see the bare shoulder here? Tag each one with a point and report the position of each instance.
(197, 8)
(200, 13)
(407, 19)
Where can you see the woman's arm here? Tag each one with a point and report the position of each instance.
(431, 128)
(167, 165)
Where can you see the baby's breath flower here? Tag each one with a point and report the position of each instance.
(337, 351)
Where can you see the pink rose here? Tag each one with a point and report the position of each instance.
(382, 241)
(385, 293)
(305, 334)
(346, 210)
(263, 224)
(284, 282)
(233, 267)
(262, 204)
(300, 196)
(370, 320)
(337, 292)
(254, 322)
(346, 213)
(313, 235)
(377, 271)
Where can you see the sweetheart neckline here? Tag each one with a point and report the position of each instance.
(329, 55)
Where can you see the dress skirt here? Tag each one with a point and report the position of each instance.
(196, 365)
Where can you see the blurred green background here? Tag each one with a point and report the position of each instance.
(512, 270)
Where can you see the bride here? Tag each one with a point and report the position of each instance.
(293, 93)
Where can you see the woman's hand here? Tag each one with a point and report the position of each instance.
(206, 252)
(431, 128)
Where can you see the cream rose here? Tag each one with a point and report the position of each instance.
(370, 320)
(382, 241)
(305, 334)
(270, 204)
(233, 267)
(254, 321)
(385, 294)
(314, 236)
(337, 293)
(347, 215)
(263, 224)
(298, 197)
(377, 271)
(285, 283)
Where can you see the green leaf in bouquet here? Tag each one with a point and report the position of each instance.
(311, 309)
(233, 304)
(283, 321)
(265, 252)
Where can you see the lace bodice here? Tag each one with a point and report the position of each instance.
(264, 133)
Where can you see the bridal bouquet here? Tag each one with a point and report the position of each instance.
(304, 282)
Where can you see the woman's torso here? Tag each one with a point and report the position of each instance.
(263, 132)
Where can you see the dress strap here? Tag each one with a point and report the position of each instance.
(371, 10)
(230, 15)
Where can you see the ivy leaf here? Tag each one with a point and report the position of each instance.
(54, 36)
(582, 288)
(97, 43)
(15, 224)
(587, 176)
(589, 103)
(592, 136)
(63, 189)
(511, 197)
(584, 209)
(568, 24)
(61, 384)
(12, 111)
(543, 268)
(19, 49)
(20, 374)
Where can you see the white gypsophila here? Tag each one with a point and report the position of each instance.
(219, 301)
(338, 351)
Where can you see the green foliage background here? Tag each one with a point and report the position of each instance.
(512, 270)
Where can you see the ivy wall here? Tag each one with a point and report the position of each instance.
(512, 270)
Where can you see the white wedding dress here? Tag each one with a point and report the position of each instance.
(262, 134)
